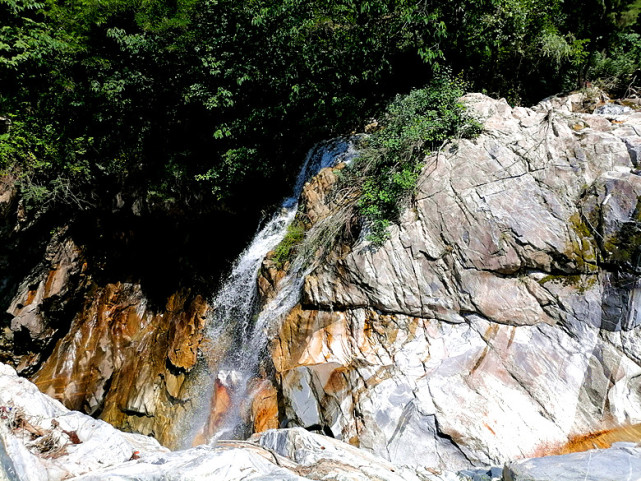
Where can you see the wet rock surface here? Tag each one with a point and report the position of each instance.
(103, 348)
(500, 320)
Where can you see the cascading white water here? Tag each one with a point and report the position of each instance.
(234, 314)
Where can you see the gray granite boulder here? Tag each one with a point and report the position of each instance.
(622, 462)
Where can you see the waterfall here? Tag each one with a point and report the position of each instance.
(236, 319)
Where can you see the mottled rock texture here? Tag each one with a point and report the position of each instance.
(126, 363)
(44, 301)
(100, 347)
(500, 320)
(622, 462)
(42, 440)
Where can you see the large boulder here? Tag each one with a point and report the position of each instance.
(621, 462)
(500, 319)
(280, 454)
(40, 439)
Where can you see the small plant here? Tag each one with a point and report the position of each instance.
(288, 247)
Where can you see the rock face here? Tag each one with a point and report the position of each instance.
(499, 321)
(42, 440)
(501, 318)
(126, 363)
(620, 463)
(100, 347)
(42, 304)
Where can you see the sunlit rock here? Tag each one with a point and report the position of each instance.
(499, 321)
(622, 462)
(42, 440)
(264, 406)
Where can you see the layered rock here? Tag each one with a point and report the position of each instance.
(500, 320)
(42, 440)
(101, 347)
(44, 301)
(126, 363)
(619, 463)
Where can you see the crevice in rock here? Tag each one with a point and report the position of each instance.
(447, 437)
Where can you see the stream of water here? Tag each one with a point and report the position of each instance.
(237, 320)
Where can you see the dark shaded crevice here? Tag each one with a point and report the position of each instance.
(97, 411)
(21, 251)
(443, 435)
(174, 370)
(161, 252)
(136, 414)
(22, 342)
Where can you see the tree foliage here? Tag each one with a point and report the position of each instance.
(197, 95)
(527, 49)
(209, 99)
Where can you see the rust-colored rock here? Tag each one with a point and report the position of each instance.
(126, 363)
(220, 402)
(269, 278)
(42, 302)
(601, 439)
(306, 336)
(186, 334)
(315, 193)
(265, 407)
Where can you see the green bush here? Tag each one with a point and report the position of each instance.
(47, 170)
(392, 158)
(620, 68)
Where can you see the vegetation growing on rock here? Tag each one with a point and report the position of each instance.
(285, 251)
(392, 157)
